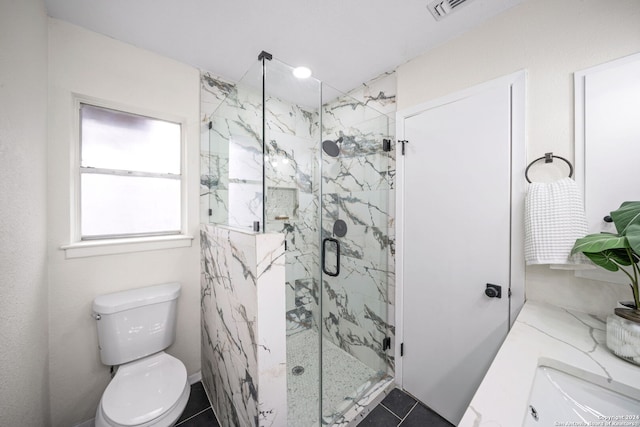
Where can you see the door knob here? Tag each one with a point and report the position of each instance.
(493, 291)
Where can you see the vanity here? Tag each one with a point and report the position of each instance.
(568, 342)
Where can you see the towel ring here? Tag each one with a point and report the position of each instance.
(548, 158)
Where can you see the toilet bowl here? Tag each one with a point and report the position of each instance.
(150, 387)
(149, 392)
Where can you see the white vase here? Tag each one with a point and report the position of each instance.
(623, 337)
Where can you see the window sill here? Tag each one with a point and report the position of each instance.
(120, 246)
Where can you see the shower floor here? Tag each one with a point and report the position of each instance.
(345, 379)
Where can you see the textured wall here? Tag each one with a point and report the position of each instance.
(89, 64)
(552, 40)
(24, 332)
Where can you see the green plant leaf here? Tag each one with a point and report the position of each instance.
(603, 260)
(626, 215)
(621, 256)
(633, 236)
(614, 252)
(594, 243)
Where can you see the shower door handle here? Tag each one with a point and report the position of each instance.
(324, 257)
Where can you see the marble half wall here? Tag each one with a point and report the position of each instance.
(243, 327)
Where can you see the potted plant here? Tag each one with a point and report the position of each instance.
(615, 252)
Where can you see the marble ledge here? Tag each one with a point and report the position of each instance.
(248, 230)
(550, 336)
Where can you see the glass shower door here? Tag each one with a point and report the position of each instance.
(326, 188)
(355, 252)
(292, 201)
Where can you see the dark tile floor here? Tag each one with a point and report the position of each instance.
(400, 409)
(397, 409)
(198, 412)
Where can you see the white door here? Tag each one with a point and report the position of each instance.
(456, 229)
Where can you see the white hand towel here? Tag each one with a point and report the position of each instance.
(554, 219)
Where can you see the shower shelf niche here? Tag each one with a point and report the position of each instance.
(283, 204)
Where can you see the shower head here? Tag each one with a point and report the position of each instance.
(331, 147)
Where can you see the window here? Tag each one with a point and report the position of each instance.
(130, 175)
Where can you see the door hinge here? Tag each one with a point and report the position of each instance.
(403, 142)
(386, 145)
(386, 343)
(401, 349)
(210, 212)
(509, 293)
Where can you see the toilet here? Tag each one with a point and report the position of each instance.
(150, 387)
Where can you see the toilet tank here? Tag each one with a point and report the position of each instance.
(136, 323)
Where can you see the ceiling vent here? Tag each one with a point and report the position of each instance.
(443, 8)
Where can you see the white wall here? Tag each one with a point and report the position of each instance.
(23, 150)
(89, 64)
(551, 39)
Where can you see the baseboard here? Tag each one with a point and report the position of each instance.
(192, 379)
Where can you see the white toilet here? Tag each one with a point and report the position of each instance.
(150, 387)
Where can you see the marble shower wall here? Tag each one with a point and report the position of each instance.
(243, 327)
(358, 187)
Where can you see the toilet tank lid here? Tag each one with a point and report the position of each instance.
(126, 300)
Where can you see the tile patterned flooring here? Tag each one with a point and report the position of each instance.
(398, 409)
(198, 412)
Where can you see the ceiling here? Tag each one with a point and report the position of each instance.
(344, 42)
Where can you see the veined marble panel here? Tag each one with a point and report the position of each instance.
(231, 150)
(243, 326)
(213, 92)
(271, 328)
(545, 335)
(290, 161)
(291, 119)
(354, 314)
(245, 204)
(378, 93)
(305, 313)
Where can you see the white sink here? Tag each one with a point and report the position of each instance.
(559, 398)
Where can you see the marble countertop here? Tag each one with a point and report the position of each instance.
(544, 335)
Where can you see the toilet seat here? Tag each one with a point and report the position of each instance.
(145, 391)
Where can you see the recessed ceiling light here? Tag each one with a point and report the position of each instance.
(302, 72)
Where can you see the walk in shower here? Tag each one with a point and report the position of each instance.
(298, 161)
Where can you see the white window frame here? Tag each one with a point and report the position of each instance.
(78, 248)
